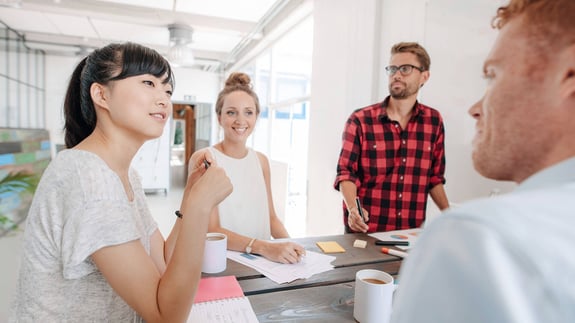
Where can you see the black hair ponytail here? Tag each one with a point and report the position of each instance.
(78, 123)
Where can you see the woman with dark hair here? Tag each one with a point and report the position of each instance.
(92, 251)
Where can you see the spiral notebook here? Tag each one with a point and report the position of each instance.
(219, 300)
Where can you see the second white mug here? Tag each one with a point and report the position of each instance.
(215, 253)
(373, 296)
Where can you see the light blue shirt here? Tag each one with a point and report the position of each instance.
(509, 258)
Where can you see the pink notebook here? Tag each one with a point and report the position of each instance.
(215, 288)
(221, 299)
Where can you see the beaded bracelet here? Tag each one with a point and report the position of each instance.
(179, 214)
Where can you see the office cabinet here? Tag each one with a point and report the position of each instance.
(153, 162)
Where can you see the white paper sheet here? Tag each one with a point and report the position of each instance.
(313, 263)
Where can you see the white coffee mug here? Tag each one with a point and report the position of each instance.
(215, 253)
(373, 296)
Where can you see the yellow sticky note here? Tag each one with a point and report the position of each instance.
(330, 246)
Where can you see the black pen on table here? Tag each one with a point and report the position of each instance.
(359, 209)
(391, 243)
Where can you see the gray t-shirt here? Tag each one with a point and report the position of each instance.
(79, 207)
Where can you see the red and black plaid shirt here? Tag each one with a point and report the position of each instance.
(393, 169)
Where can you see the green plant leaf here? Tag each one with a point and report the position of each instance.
(19, 182)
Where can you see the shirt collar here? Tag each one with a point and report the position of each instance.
(417, 109)
(563, 172)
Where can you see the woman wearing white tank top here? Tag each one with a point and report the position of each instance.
(247, 216)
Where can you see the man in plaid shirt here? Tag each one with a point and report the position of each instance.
(393, 152)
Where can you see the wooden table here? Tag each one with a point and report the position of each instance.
(325, 297)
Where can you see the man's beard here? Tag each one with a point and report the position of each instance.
(402, 94)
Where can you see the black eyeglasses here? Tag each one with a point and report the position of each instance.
(403, 69)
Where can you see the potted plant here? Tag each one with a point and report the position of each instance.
(20, 182)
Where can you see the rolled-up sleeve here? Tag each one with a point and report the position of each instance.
(347, 165)
(438, 165)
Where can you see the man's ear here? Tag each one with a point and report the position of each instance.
(424, 78)
(99, 96)
(567, 59)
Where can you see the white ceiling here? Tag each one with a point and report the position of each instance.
(222, 28)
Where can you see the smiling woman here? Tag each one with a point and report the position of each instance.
(90, 236)
(247, 216)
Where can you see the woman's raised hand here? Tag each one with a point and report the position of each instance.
(207, 179)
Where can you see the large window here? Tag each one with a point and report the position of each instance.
(282, 76)
(21, 82)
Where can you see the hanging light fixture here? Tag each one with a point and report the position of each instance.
(180, 53)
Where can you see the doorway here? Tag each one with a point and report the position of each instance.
(192, 130)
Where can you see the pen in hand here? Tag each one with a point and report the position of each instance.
(359, 209)
(300, 254)
(206, 163)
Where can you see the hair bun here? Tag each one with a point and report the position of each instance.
(238, 79)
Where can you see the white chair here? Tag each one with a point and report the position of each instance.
(279, 184)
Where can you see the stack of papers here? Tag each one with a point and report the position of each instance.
(313, 263)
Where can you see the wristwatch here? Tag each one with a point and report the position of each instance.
(249, 246)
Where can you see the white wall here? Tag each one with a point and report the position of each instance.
(352, 40)
(204, 86)
(458, 43)
(342, 77)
